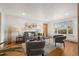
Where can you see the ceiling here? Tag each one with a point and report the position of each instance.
(40, 12)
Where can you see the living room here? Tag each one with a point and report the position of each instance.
(44, 20)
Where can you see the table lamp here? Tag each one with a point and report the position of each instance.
(18, 30)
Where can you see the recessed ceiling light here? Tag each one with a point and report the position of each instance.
(23, 14)
(66, 14)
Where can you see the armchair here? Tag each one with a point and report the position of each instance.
(59, 39)
(35, 48)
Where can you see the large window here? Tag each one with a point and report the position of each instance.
(65, 27)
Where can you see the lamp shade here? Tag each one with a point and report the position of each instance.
(18, 29)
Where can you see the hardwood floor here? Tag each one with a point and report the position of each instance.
(70, 49)
(56, 52)
(20, 52)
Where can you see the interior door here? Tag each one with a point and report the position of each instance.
(45, 30)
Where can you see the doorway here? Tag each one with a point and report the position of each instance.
(45, 30)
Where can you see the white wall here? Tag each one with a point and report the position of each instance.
(14, 22)
(2, 25)
(40, 27)
(2, 28)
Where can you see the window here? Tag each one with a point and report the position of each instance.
(65, 27)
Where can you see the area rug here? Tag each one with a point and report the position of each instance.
(2, 52)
